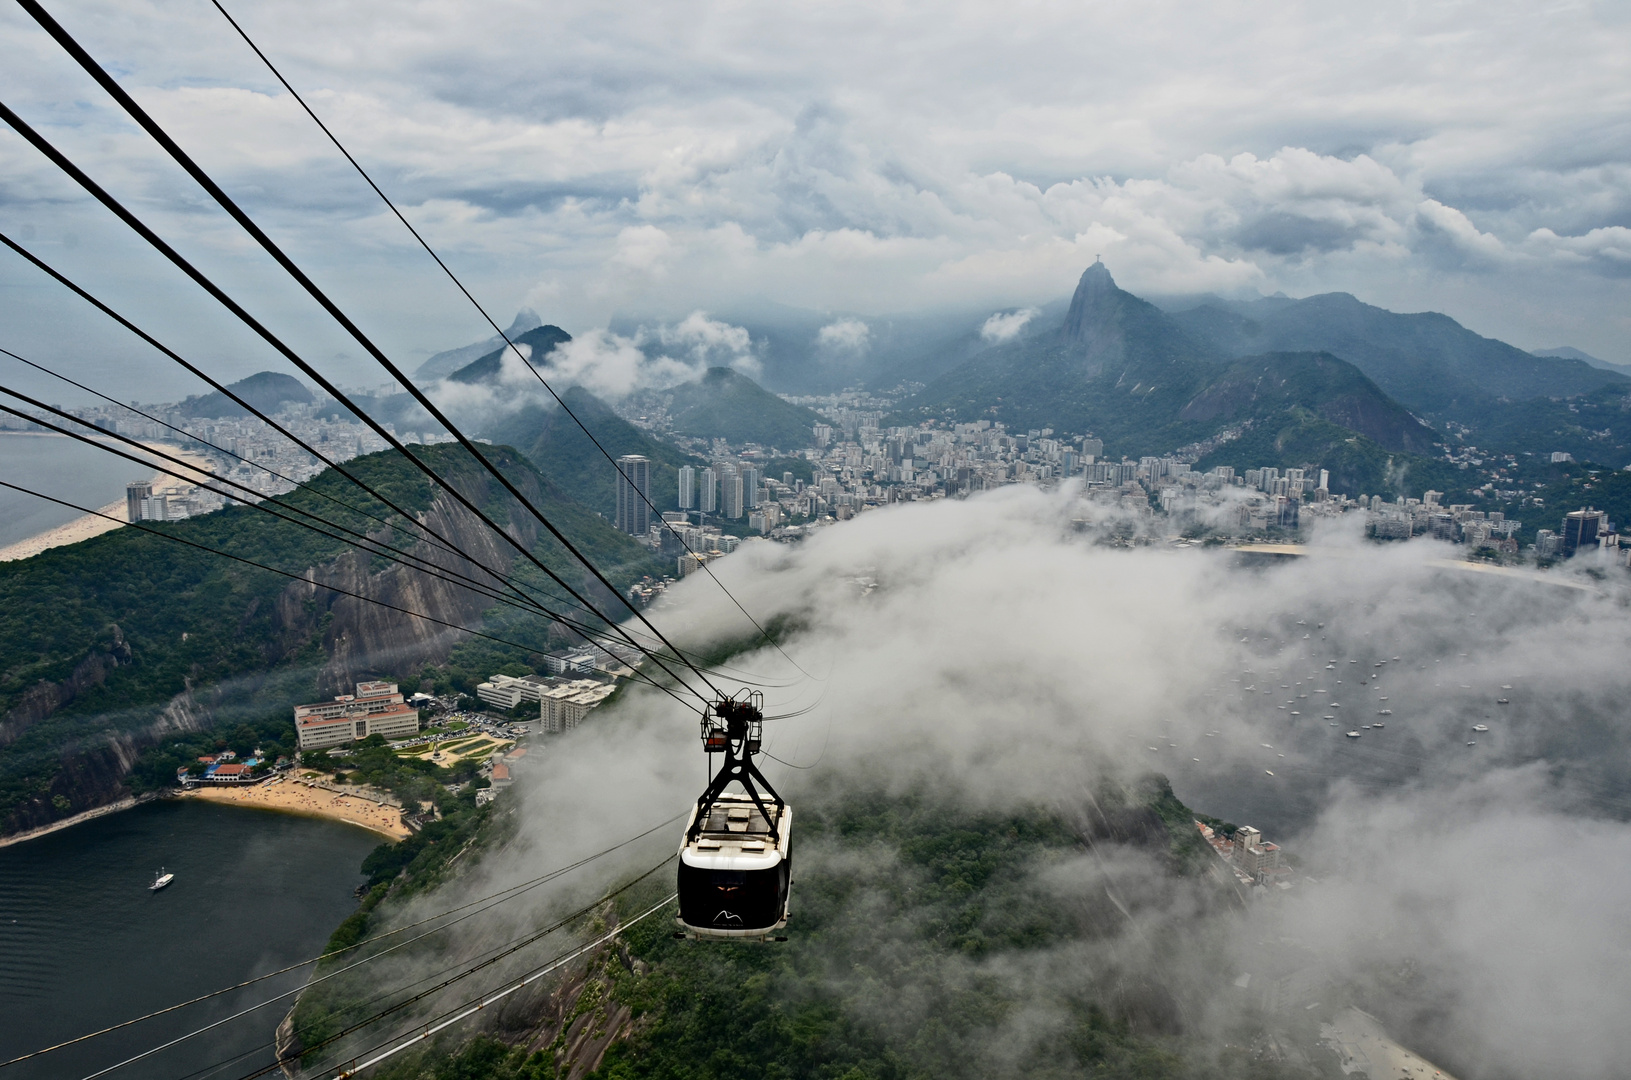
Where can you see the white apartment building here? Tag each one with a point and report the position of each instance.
(508, 691)
(376, 708)
(565, 706)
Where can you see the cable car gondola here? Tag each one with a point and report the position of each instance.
(735, 864)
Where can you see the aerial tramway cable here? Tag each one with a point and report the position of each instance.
(180, 156)
(272, 507)
(175, 257)
(173, 538)
(406, 1041)
(437, 539)
(391, 554)
(502, 333)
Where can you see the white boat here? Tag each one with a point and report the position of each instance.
(1480, 727)
(1353, 734)
(164, 878)
(1384, 712)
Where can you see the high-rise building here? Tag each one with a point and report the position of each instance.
(730, 492)
(136, 497)
(708, 497)
(750, 487)
(688, 487)
(633, 494)
(1580, 529)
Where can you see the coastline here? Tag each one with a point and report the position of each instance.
(88, 815)
(89, 525)
(287, 795)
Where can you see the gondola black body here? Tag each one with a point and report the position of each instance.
(735, 858)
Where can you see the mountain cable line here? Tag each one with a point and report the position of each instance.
(175, 257)
(180, 156)
(390, 554)
(475, 1005)
(369, 180)
(315, 584)
(436, 538)
(272, 507)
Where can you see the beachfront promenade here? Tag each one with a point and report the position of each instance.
(364, 807)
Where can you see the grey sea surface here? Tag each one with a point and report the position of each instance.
(84, 944)
(56, 465)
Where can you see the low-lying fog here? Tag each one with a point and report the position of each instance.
(1003, 650)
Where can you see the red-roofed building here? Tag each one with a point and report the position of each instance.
(501, 775)
(231, 773)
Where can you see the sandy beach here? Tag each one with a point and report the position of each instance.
(83, 528)
(291, 796)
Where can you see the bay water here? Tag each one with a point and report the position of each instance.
(84, 944)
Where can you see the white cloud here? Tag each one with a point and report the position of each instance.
(845, 336)
(1004, 326)
(661, 167)
(708, 342)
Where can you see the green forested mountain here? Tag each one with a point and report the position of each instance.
(726, 404)
(561, 451)
(110, 643)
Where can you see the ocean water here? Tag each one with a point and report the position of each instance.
(84, 944)
(59, 466)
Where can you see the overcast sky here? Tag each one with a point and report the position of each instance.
(591, 159)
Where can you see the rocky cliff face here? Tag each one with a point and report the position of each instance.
(363, 638)
(45, 698)
(94, 775)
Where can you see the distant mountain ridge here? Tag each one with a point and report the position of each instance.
(1428, 362)
(446, 363)
(267, 391)
(540, 341)
(1119, 367)
(1569, 352)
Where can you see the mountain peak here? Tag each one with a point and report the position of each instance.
(525, 319)
(1095, 294)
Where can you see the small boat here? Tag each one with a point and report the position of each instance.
(1384, 712)
(1378, 724)
(1502, 701)
(1480, 727)
(164, 878)
(1353, 734)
